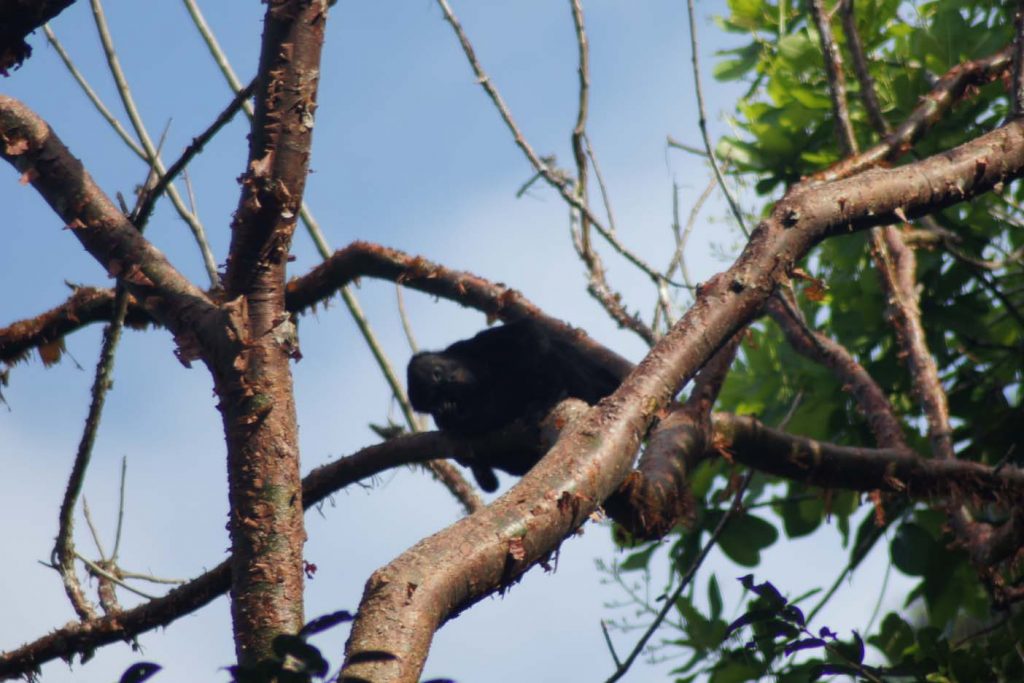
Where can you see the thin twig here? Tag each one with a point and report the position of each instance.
(152, 156)
(670, 601)
(152, 579)
(580, 129)
(866, 547)
(683, 237)
(91, 94)
(120, 509)
(605, 197)
(610, 644)
(860, 67)
(836, 79)
(64, 548)
(545, 170)
(218, 54)
(580, 224)
(87, 513)
(881, 598)
(194, 148)
(403, 316)
(702, 124)
(100, 571)
(672, 142)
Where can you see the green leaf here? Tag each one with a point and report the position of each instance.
(734, 69)
(744, 537)
(714, 597)
(638, 560)
(911, 549)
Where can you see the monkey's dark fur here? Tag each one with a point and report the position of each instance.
(517, 371)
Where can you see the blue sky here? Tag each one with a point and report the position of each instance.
(408, 152)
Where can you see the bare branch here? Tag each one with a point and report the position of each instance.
(598, 286)
(36, 151)
(860, 67)
(933, 106)
(894, 470)
(85, 306)
(836, 79)
(655, 497)
(897, 266)
(870, 398)
(148, 199)
(544, 169)
(556, 496)
(63, 556)
(316, 487)
(702, 123)
(152, 153)
(107, 115)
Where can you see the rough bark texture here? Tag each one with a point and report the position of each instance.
(256, 396)
(405, 602)
(829, 466)
(28, 143)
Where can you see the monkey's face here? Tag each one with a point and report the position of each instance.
(444, 387)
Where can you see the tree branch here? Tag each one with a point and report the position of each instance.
(34, 149)
(85, 306)
(317, 486)
(257, 400)
(860, 67)
(798, 458)
(417, 592)
(836, 79)
(870, 398)
(934, 105)
(654, 497)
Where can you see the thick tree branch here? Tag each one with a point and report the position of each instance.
(798, 458)
(406, 601)
(364, 259)
(81, 638)
(85, 306)
(43, 160)
(359, 259)
(255, 388)
(870, 398)
(654, 497)
(824, 465)
(933, 106)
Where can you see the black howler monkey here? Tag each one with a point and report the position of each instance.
(518, 370)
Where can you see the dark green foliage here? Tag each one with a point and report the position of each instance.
(970, 272)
